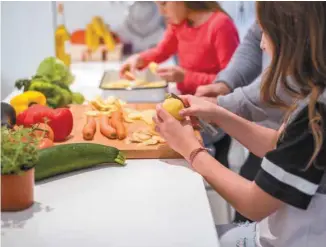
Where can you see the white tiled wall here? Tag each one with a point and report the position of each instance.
(26, 38)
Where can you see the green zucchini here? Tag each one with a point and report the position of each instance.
(71, 157)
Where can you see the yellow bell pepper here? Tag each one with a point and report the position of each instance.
(22, 101)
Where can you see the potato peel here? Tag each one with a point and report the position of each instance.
(148, 142)
(91, 113)
(159, 139)
(145, 137)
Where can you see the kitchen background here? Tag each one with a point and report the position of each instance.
(27, 29)
(27, 37)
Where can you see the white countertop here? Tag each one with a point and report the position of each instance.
(148, 203)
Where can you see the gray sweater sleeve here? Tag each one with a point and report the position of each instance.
(246, 63)
(245, 102)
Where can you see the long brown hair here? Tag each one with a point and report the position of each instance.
(297, 34)
(204, 6)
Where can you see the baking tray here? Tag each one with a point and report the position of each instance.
(134, 95)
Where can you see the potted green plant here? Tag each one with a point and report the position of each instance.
(19, 154)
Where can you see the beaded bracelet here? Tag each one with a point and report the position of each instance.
(195, 152)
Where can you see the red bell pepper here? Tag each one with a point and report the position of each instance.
(60, 119)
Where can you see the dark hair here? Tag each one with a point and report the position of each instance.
(204, 6)
(297, 34)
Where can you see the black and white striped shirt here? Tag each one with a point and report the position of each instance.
(285, 176)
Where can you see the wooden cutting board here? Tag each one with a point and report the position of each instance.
(132, 151)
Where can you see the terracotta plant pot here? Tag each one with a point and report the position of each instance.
(17, 191)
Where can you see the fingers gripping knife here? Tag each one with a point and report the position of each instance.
(206, 127)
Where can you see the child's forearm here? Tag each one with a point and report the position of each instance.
(257, 139)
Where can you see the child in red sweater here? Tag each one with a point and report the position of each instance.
(203, 37)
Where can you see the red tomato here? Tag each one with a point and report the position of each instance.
(45, 143)
(39, 132)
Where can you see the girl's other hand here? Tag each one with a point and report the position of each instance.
(132, 64)
(171, 74)
(213, 90)
(179, 135)
(199, 107)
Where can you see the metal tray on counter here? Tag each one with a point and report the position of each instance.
(151, 88)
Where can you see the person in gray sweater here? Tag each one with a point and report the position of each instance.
(237, 88)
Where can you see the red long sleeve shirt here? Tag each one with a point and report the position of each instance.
(202, 51)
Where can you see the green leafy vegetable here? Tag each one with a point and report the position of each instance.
(23, 84)
(55, 95)
(53, 79)
(54, 69)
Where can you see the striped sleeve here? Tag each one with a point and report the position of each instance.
(283, 171)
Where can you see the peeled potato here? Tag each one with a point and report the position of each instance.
(135, 115)
(143, 137)
(159, 139)
(138, 136)
(126, 118)
(118, 84)
(135, 137)
(153, 67)
(156, 84)
(149, 142)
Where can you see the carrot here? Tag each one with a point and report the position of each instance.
(89, 128)
(117, 123)
(106, 129)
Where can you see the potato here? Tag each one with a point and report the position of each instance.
(149, 142)
(135, 115)
(147, 116)
(126, 118)
(118, 84)
(135, 137)
(159, 139)
(143, 137)
(153, 67)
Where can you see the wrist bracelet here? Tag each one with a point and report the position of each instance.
(194, 154)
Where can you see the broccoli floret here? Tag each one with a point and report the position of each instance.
(55, 95)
